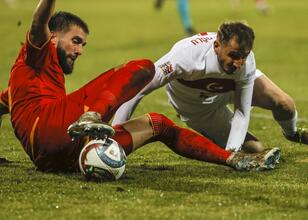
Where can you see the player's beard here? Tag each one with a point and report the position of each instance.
(227, 68)
(62, 56)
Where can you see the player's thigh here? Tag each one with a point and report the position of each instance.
(267, 94)
(51, 133)
(214, 125)
(111, 89)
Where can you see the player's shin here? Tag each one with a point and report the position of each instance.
(186, 142)
(133, 133)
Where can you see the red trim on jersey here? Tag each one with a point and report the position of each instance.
(213, 85)
(203, 33)
(32, 137)
(34, 46)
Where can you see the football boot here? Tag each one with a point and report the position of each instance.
(90, 124)
(301, 136)
(265, 160)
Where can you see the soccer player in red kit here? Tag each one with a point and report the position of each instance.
(41, 111)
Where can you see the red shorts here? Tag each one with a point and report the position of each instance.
(52, 148)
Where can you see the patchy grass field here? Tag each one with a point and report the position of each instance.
(157, 183)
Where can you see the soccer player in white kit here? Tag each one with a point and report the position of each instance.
(206, 72)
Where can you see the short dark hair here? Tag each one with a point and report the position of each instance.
(61, 21)
(244, 34)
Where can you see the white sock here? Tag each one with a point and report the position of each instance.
(289, 126)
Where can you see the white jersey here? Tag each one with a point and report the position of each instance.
(193, 77)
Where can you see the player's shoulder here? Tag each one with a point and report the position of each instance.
(195, 46)
(250, 61)
(202, 39)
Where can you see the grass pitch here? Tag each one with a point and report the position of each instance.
(157, 183)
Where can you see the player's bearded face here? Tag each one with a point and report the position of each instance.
(69, 46)
(66, 63)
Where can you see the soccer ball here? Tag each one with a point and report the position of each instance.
(102, 159)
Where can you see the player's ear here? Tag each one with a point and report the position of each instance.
(54, 38)
(217, 45)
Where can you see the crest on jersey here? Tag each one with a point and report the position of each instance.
(212, 85)
(167, 67)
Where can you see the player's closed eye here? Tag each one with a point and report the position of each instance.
(236, 55)
(78, 40)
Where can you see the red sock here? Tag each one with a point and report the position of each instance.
(186, 142)
(124, 138)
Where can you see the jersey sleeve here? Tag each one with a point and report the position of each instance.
(37, 57)
(183, 61)
(242, 104)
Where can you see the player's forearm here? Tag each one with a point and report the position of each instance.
(239, 128)
(240, 120)
(127, 109)
(43, 12)
(39, 31)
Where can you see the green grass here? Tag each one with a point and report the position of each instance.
(159, 184)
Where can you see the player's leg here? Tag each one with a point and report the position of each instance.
(269, 96)
(262, 6)
(183, 8)
(156, 127)
(111, 89)
(158, 4)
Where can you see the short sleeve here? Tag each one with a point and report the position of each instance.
(37, 57)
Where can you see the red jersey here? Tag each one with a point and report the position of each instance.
(41, 111)
(36, 79)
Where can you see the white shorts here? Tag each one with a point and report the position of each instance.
(214, 121)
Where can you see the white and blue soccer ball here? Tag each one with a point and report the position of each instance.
(102, 159)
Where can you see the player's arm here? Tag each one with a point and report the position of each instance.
(240, 120)
(242, 105)
(39, 31)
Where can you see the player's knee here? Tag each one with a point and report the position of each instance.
(147, 65)
(285, 103)
(144, 69)
(252, 146)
